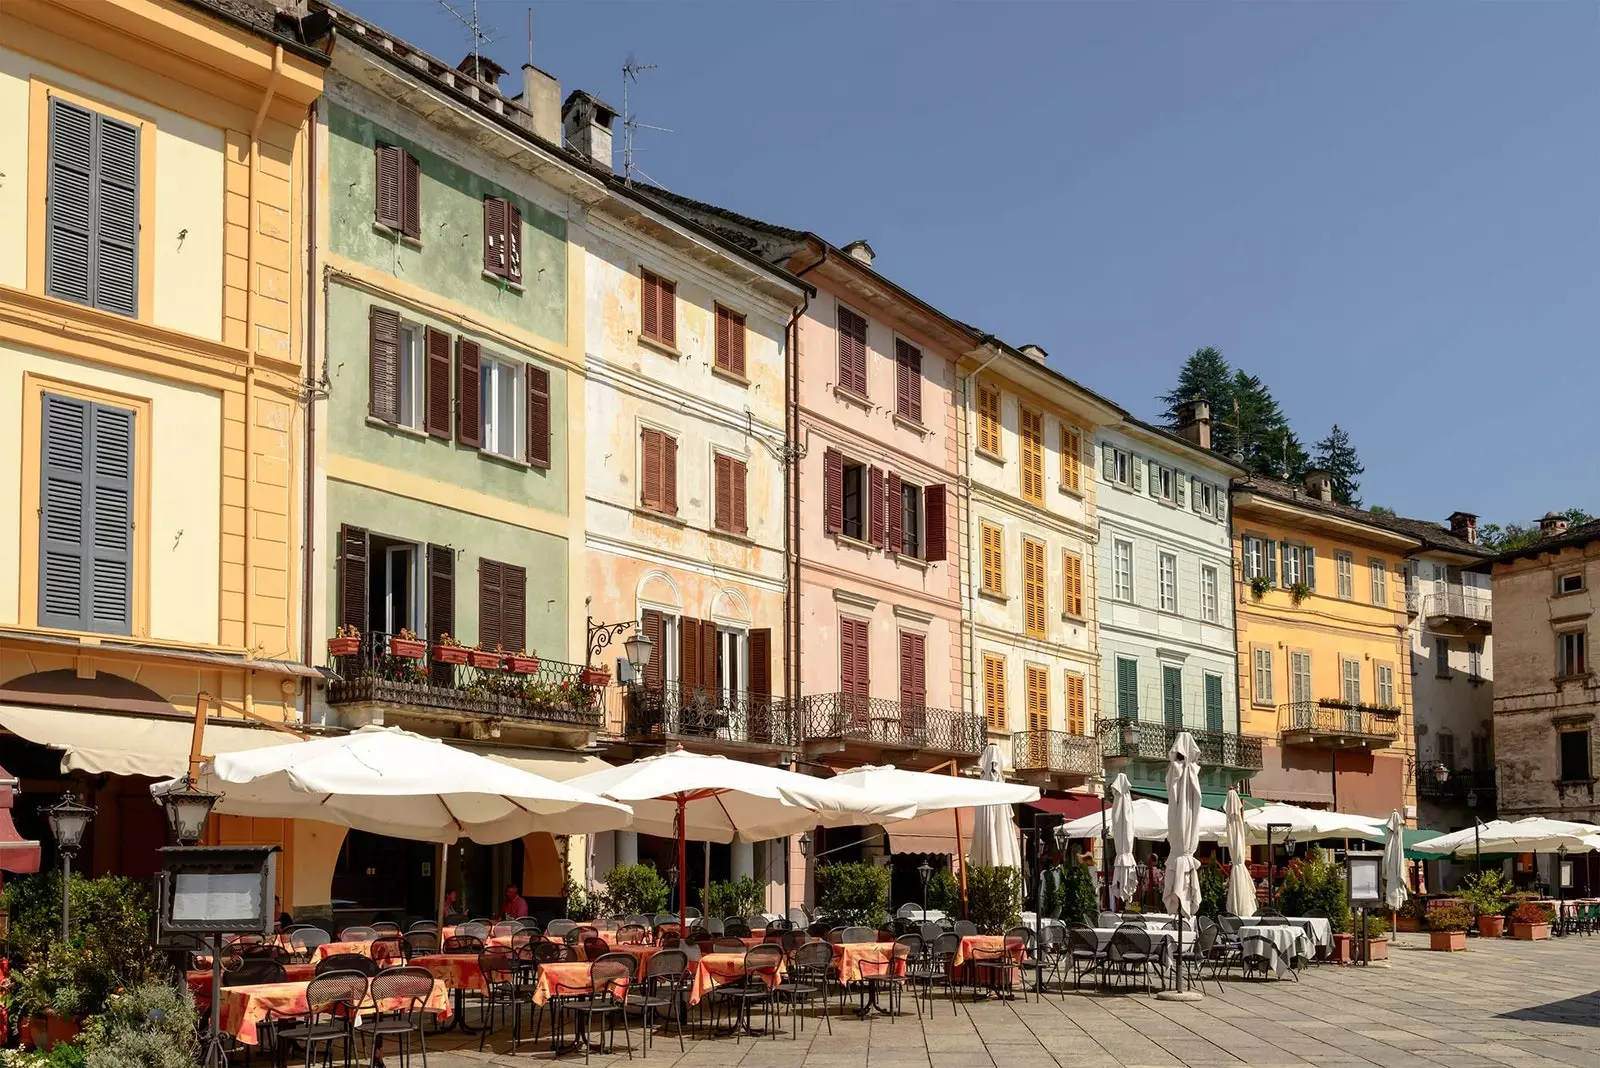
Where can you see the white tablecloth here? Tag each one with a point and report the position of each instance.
(1153, 921)
(1160, 941)
(1290, 942)
(1320, 930)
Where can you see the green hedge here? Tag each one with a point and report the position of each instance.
(853, 895)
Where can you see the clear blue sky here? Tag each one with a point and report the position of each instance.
(1388, 211)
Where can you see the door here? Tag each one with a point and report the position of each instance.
(1350, 670)
(1172, 695)
(1038, 715)
(1301, 702)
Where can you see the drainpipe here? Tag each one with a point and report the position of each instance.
(308, 533)
(964, 479)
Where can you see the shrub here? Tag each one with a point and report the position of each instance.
(152, 1025)
(1079, 902)
(1377, 927)
(1449, 918)
(994, 897)
(855, 895)
(1213, 889)
(1530, 912)
(109, 947)
(634, 889)
(1485, 892)
(1415, 908)
(1316, 883)
(742, 897)
(62, 1055)
(944, 893)
(580, 903)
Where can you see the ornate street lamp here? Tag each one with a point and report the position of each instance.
(638, 648)
(805, 844)
(68, 822)
(1441, 774)
(1130, 736)
(188, 808)
(925, 872)
(600, 635)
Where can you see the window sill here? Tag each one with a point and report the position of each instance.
(508, 461)
(738, 537)
(724, 373)
(1068, 617)
(990, 456)
(850, 396)
(905, 422)
(1070, 492)
(849, 542)
(911, 561)
(501, 281)
(658, 514)
(660, 346)
(398, 428)
(396, 235)
(990, 595)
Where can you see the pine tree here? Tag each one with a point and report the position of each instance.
(1264, 439)
(1337, 456)
(1206, 376)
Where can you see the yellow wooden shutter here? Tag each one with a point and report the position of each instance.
(1038, 699)
(1072, 584)
(989, 419)
(1033, 587)
(994, 690)
(994, 561)
(1076, 712)
(1071, 457)
(1032, 433)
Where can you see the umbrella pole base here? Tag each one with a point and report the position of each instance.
(1179, 995)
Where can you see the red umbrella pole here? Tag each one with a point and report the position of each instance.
(683, 867)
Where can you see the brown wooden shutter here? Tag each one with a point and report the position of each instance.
(710, 651)
(833, 491)
(538, 416)
(876, 528)
(933, 509)
(494, 235)
(653, 626)
(760, 653)
(514, 607)
(669, 473)
(908, 380)
(689, 654)
(724, 351)
(353, 577)
(667, 308)
(469, 419)
(490, 629)
(913, 673)
(650, 468)
(383, 337)
(723, 490)
(741, 522)
(436, 402)
(410, 196)
(863, 686)
(649, 305)
(513, 243)
(387, 204)
(736, 343)
(852, 351)
(897, 514)
(847, 656)
(441, 591)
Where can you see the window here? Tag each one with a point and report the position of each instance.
(502, 239)
(92, 209)
(1572, 583)
(398, 203)
(1385, 676)
(1575, 765)
(911, 542)
(1032, 436)
(1169, 582)
(1347, 581)
(1446, 743)
(1163, 482)
(658, 309)
(855, 501)
(907, 380)
(1077, 707)
(86, 516)
(1380, 581)
(1441, 658)
(502, 606)
(1260, 558)
(1121, 467)
(1071, 458)
(1127, 688)
(1203, 498)
(1208, 594)
(1122, 570)
(1037, 681)
(732, 677)
(1033, 588)
(1572, 653)
(852, 352)
(666, 660)
(1072, 584)
(1475, 661)
(913, 670)
(988, 419)
(1300, 678)
(1261, 692)
(1480, 753)
(1293, 565)
(730, 510)
(501, 402)
(994, 691)
(658, 462)
(393, 604)
(730, 342)
(1350, 678)
(994, 560)
(854, 664)
(1172, 694)
(1214, 721)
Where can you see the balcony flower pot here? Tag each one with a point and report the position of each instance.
(1447, 941)
(480, 658)
(1343, 949)
(1491, 925)
(344, 646)
(411, 648)
(1529, 932)
(593, 676)
(449, 654)
(522, 665)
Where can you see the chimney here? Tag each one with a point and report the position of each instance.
(1034, 352)
(586, 122)
(861, 252)
(1553, 525)
(1319, 484)
(1194, 422)
(541, 95)
(1464, 525)
(483, 68)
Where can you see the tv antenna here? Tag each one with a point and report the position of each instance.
(631, 69)
(481, 35)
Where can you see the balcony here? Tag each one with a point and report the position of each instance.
(551, 696)
(1330, 724)
(1459, 613)
(1413, 601)
(1054, 753)
(905, 730)
(1153, 741)
(1461, 785)
(673, 713)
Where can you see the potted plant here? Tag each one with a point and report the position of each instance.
(594, 676)
(522, 663)
(1299, 592)
(1377, 938)
(1315, 885)
(1530, 921)
(346, 641)
(407, 644)
(1485, 893)
(855, 894)
(446, 650)
(1259, 586)
(1413, 914)
(1447, 928)
(483, 658)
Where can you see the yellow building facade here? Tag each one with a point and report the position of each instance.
(152, 281)
(1324, 675)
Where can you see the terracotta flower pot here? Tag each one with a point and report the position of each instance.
(36, 1033)
(1447, 941)
(408, 647)
(1491, 925)
(594, 676)
(1377, 949)
(523, 665)
(480, 658)
(1343, 952)
(344, 646)
(450, 654)
(1530, 932)
(1407, 923)
(60, 1029)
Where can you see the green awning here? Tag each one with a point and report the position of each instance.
(1411, 835)
(1208, 798)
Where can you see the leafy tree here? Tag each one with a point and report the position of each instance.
(1206, 376)
(994, 897)
(1380, 509)
(1337, 456)
(634, 889)
(1512, 536)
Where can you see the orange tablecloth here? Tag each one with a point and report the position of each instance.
(988, 943)
(714, 969)
(200, 978)
(328, 949)
(865, 960)
(565, 979)
(458, 971)
(245, 1007)
(640, 953)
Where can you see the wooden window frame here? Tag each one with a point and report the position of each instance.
(1257, 698)
(734, 517)
(509, 233)
(730, 359)
(662, 336)
(1162, 556)
(993, 578)
(907, 380)
(994, 698)
(988, 416)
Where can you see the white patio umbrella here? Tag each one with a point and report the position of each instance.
(714, 799)
(994, 831)
(1124, 869)
(1241, 897)
(1394, 862)
(1149, 823)
(1311, 823)
(1535, 834)
(934, 793)
(1181, 890)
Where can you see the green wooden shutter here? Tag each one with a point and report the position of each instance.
(1272, 562)
(63, 539)
(1172, 695)
(1127, 688)
(1310, 556)
(69, 203)
(1214, 703)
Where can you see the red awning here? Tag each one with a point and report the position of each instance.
(1070, 806)
(16, 855)
(932, 832)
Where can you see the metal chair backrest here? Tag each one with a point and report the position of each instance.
(817, 956)
(389, 951)
(856, 935)
(799, 919)
(544, 952)
(819, 928)
(264, 951)
(910, 908)
(755, 922)
(728, 945)
(240, 941)
(337, 994)
(670, 941)
(691, 913)
(473, 929)
(735, 928)
(255, 972)
(1082, 939)
(305, 939)
(559, 928)
(1230, 924)
(1207, 937)
(632, 934)
(496, 964)
(945, 947)
(610, 970)
(419, 943)
(929, 931)
(579, 935)
(779, 924)
(1053, 936)
(1019, 936)
(409, 987)
(712, 926)
(666, 917)
(346, 962)
(764, 960)
(458, 943)
(1128, 940)
(965, 928)
(425, 925)
(906, 947)
(528, 923)
(503, 930)
(385, 927)
(638, 918)
(482, 921)
(595, 947)
(834, 934)
(357, 934)
(667, 964)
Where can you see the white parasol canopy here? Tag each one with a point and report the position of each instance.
(1124, 869)
(1535, 834)
(994, 831)
(1312, 823)
(1394, 862)
(934, 793)
(1149, 823)
(389, 781)
(1241, 897)
(1181, 890)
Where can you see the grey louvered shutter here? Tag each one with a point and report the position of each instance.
(86, 517)
(1108, 463)
(116, 217)
(92, 209)
(69, 197)
(111, 512)
(1310, 555)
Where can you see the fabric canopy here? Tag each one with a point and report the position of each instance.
(111, 743)
(1241, 894)
(1124, 869)
(932, 793)
(1149, 823)
(1534, 834)
(1181, 884)
(1069, 807)
(558, 764)
(1311, 823)
(994, 831)
(1394, 862)
(931, 832)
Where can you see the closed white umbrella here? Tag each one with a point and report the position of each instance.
(1241, 898)
(1394, 862)
(1124, 869)
(1181, 891)
(1149, 823)
(1307, 824)
(994, 831)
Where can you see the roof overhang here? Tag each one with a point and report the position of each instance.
(1191, 451)
(868, 290)
(1306, 517)
(1034, 378)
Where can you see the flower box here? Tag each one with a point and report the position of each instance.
(591, 676)
(411, 648)
(1491, 925)
(1447, 941)
(480, 658)
(1407, 923)
(523, 665)
(1529, 932)
(344, 646)
(450, 654)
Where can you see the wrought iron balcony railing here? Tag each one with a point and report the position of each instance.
(1153, 741)
(1055, 751)
(1456, 787)
(672, 710)
(1338, 723)
(553, 692)
(846, 717)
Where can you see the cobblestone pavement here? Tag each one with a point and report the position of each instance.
(1499, 1003)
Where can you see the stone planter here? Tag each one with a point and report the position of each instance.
(1343, 951)
(1530, 932)
(1447, 941)
(450, 654)
(1491, 926)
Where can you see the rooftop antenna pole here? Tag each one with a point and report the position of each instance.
(530, 37)
(481, 35)
(631, 69)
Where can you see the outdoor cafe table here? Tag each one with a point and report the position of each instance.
(1161, 940)
(986, 944)
(561, 979)
(200, 978)
(328, 949)
(1318, 928)
(714, 969)
(245, 1008)
(1289, 940)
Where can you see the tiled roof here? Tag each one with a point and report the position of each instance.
(764, 238)
(1574, 537)
(261, 18)
(1432, 535)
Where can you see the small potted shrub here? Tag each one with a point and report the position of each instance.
(1412, 915)
(1485, 893)
(407, 644)
(594, 676)
(1377, 938)
(1259, 586)
(346, 641)
(1299, 592)
(1530, 922)
(483, 658)
(446, 650)
(522, 663)
(1447, 928)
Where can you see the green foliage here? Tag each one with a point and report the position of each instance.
(1503, 539)
(1337, 456)
(1449, 918)
(1381, 509)
(634, 889)
(741, 897)
(110, 945)
(61, 1055)
(1078, 899)
(580, 903)
(1206, 376)
(853, 894)
(1532, 912)
(1213, 889)
(994, 897)
(1316, 883)
(944, 893)
(1377, 926)
(1245, 418)
(1486, 892)
(152, 1025)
